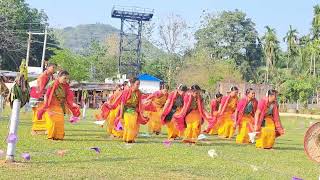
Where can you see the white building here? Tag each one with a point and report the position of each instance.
(148, 83)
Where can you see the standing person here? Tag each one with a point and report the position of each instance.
(192, 114)
(226, 111)
(58, 99)
(45, 64)
(214, 106)
(172, 106)
(37, 97)
(267, 121)
(244, 116)
(158, 100)
(131, 111)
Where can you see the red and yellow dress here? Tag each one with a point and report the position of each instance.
(172, 106)
(59, 99)
(112, 116)
(194, 114)
(246, 110)
(268, 124)
(131, 111)
(158, 101)
(37, 93)
(213, 126)
(226, 122)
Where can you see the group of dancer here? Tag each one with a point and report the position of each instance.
(182, 111)
(51, 99)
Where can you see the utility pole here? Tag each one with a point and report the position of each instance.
(44, 46)
(28, 48)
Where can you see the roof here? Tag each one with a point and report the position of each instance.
(148, 77)
(92, 86)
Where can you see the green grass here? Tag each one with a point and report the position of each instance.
(149, 159)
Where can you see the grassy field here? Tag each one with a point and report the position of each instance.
(150, 159)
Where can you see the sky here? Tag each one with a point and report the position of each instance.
(278, 14)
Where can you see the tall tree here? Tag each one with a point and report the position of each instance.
(16, 17)
(270, 48)
(316, 22)
(231, 35)
(174, 39)
(291, 39)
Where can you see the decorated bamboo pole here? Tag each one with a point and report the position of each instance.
(12, 137)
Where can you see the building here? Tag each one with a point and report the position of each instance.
(98, 92)
(149, 84)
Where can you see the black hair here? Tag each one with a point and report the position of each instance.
(125, 83)
(52, 64)
(63, 73)
(183, 88)
(195, 87)
(133, 80)
(248, 91)
(272, 92)
(234, 88)
(166, 86)
(219, 95)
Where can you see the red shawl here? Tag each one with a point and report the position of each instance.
(75, 109)
(263, 107)
(42, 81)
(126, 95)
(212, 121)
(224, 103)
(241, 106)
(187, 100)
(150, 106)
(113, 103)
(168, 106)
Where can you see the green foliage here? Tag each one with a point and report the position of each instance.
(77, 65)
(199, 69)
(15, 16)
(231, 35)
(298, 89)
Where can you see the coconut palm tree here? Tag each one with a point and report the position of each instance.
(316, 22)
(291, 39)
(270, 46)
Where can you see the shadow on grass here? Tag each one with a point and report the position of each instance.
(102, 159)
(86, 140)
(290, 148)
(82, 130)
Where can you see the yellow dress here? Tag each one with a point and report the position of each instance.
(130, 117)
(226, 129)
(154, 124)
(38, 125)
(55, 120)
(193, 121)
(172, 131)
(243, 137)
(214, 130)
(267, 135)
(246, 124)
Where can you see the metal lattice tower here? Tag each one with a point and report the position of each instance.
(132, 19)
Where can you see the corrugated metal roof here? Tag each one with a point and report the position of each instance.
(148, 77)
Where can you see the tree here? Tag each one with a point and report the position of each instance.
(316, 22)
(231, 35)
(75, 64)
(291, 39)
(270, 49)
(16, 17)
(173, 39)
